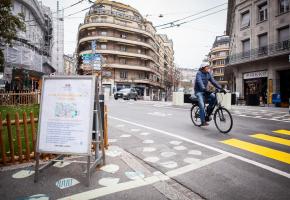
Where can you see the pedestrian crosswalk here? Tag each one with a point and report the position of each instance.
(264, 150)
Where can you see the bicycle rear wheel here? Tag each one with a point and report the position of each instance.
(223, 120)
(194, 114)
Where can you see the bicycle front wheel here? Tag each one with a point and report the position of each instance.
(194, 114)
(223, 120)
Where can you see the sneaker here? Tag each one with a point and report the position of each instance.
(204, 124)
(208, 118)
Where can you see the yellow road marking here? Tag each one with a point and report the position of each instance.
(272, 139)
(264, 151)
(284, 132)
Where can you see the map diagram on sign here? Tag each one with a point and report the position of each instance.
(66, 110)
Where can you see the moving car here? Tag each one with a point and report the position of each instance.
(126, 94)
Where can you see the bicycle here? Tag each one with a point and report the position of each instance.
(221, 115)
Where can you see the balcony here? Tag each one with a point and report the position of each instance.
(115, 14)
(271, 50)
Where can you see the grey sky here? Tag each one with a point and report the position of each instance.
(192, 41)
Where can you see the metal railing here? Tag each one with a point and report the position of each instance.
(262, 52)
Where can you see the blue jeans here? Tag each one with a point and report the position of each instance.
(212, 100)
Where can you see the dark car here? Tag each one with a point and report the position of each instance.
(126, 94)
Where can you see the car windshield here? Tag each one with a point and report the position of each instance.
(125, 90)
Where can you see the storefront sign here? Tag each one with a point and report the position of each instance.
(65, 123)
(258, 74)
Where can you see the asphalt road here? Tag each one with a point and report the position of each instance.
(256, 159)
(155, 152)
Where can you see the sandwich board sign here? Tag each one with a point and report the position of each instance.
(66, 115)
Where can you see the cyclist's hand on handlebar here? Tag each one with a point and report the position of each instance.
(223, 91)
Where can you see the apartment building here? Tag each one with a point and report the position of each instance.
(187, 79)
(133, 54)
(217, 58)
(259, 49)
(69, 66)
(30, 56)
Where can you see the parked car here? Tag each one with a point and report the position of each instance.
(126, 94)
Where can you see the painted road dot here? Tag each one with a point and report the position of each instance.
(112, 140)
(191, 160)
(168, 154)
(61, 164)
(169, 164)
(111, 168)
(66, 183)
(135, 130)
(109, 181)
(34, 197)
(135, 175)
(179, 148)
(120, 126)
(148, 141)
(145, 133)
(23, 174)
(151, 159)
(194, 152)
(113, 153)
(125, 136)
(149, 149)
(175, 142)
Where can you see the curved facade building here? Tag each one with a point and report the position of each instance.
(133, 54)
(218, 56)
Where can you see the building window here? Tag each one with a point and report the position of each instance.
(122, 35)
(263, 12)
(245, 19)
(123, 74)
(283, 6)
(139, 51)
(123, 61)
(263, 44)
(283, 38)
(123, 48)
(246, 48)
(103, 33)
(103, 46)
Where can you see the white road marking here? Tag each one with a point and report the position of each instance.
(112, 140)
(194, 152)
(191, 160)
(135, 175)
(169, 164)
(66, 183)
(125, 136)
(145, 133)
(135, 130)
(179, 148)
(167, 154)
(109, 181)
(23, 174)
(148, 141)
(151, 159)
(111, 168)
(149, 149)
(120, 125)
(61, 164)
(175, 142)
(266, 167)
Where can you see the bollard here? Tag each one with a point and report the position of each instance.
(106, 128)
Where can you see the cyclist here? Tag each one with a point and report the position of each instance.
(200, 88)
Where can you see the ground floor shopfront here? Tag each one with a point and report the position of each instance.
(256, 82)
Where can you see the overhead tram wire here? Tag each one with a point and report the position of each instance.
(169, 23)
(83, 9)
(177, 25)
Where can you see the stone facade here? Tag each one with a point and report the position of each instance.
(133, 54)
(259, 49)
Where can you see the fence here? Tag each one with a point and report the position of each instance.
(21, 98)
(19, 133)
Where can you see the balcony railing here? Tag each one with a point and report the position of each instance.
(115, 14)
(262, 52)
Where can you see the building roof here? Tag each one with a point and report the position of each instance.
(221, 40)
(117, 4)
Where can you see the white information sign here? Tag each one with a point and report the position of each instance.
(66, 114)
(258, 74)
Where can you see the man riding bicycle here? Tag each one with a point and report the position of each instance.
(200, 88)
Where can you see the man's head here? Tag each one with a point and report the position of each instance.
(204, 67)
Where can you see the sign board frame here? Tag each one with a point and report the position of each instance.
(46, 80)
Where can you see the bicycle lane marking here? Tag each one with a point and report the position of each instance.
(263, 166)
